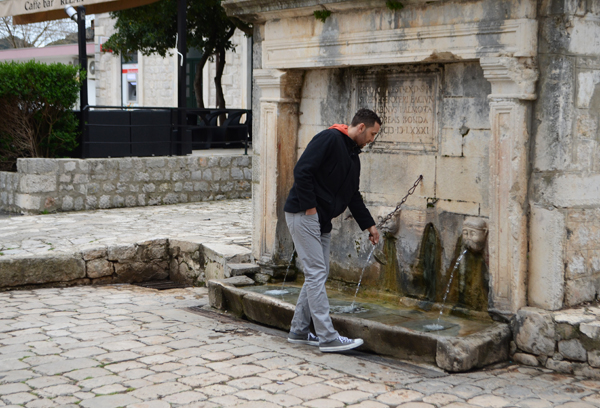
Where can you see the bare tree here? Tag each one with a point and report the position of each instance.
(35, 34)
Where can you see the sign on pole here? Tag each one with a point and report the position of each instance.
(33, 11)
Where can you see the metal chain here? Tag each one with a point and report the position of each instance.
(390, 215)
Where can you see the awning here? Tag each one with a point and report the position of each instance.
(33, 11)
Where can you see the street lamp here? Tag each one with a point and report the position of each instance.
(71, 12)
(78, 15)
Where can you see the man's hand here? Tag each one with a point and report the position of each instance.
(311, 211)
(373, 235)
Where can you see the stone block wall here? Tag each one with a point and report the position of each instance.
(186, 262)
(564, 341)
(9, 183)
(565, 193)
(74, 184)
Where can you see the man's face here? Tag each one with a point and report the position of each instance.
(367, 135)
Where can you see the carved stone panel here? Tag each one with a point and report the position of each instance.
(408, 104)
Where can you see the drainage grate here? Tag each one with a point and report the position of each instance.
(161, 285)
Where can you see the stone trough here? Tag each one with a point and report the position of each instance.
(451, 353)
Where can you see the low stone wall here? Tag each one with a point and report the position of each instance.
(47, 185)
(187, 262)
(9, 184)
(565, 341)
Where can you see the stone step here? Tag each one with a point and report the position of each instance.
(237, 281)
(239, 269)
(217, 256)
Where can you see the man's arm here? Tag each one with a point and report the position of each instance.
(363, 217)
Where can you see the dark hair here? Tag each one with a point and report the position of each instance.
(366, 116)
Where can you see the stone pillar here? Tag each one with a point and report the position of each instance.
(274, 160)
(513, 89)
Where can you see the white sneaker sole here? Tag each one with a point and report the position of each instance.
(356, 343)
(308, 343)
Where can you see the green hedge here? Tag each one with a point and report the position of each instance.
(36, 118)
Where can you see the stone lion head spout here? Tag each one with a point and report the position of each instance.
(474, 234)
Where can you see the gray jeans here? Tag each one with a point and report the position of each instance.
(313, 251)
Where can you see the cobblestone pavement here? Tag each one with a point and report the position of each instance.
(126, 346)
(217, 221)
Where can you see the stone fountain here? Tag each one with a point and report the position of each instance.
(495, 102)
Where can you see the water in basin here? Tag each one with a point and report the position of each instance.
(384, 312)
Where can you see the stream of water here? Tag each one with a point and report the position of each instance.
(282, 291)
(352, 308)
(437, 326)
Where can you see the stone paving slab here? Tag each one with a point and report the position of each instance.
(146, 349)
(219, 222)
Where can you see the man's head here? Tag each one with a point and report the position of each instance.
(364, 127)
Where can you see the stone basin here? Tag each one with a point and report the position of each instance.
(399, 332)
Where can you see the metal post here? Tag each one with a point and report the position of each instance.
(83, 94)
(83, 91)
(183, 144)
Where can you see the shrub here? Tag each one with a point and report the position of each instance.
(35, 110)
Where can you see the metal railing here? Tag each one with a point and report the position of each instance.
(115, 131)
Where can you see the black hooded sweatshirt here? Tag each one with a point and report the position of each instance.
(327, 177)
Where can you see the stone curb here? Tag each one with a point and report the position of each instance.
(185, 262)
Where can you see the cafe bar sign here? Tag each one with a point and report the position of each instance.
(33, 11)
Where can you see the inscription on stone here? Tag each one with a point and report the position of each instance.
(407, 104)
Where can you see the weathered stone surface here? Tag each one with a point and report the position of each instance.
(110, 401)
(51, 185)
(98, 268)
(594, 358)
(262, 278)
(122, 253)
(239, 281)
(527, 359)
(36, 270)
(572, 350)
(236, 269)
(573, 319)
(560, 366)
(591, 330)
(141, 271)
(546, 280)
(534, 331)
(218, 255)
(457, 354)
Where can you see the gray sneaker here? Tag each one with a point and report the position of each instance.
(340, 344)
(309, 339)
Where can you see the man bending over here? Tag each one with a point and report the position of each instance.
(326, 181)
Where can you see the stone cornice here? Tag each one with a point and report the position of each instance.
(511, 78)
(442, 43)
(257, 11)
(278, 86)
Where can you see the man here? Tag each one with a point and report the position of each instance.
(326, 181)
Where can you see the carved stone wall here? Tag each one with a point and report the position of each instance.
(534, 173)
(433, 141)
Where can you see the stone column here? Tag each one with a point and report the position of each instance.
(513, 89)
(273, 165)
